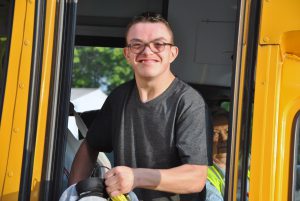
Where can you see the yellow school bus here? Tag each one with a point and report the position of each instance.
(244, 53)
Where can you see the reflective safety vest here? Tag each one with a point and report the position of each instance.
(216, 178)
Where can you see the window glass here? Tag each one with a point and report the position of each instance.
(296, 163)
(100, 67)
(96, 72)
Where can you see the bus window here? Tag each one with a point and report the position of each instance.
(102, 67)
(96, 72)
(6, 8)
(296, 161)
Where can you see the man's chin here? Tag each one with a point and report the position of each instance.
(147, 75)
(221, 155)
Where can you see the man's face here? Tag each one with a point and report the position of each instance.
(220, 137)
(147, 64)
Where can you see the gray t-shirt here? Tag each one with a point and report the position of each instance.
(166, 132)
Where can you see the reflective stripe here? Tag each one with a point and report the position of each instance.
(248, 174)
(216, 178)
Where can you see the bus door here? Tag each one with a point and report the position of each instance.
(38, 37)
(265, 120)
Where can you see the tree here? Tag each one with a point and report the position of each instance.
(103, 67)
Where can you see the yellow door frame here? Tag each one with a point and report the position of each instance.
(277, 100)
(13, 122)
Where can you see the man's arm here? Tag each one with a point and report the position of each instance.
(83, 164)
(183, 179)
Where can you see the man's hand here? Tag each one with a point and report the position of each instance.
(119, 180)
(183, 179)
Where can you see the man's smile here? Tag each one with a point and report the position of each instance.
(147, 60)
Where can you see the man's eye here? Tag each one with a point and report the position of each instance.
(158, 45)
(136, 45)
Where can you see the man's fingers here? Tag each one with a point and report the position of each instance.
(115, 193)
(108, 174)
(119, 179)
(113, 190)
(111, 181)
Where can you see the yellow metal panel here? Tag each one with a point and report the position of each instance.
(289, 106)
(277, 100)
(278, 17)
(6, 128)
(14, 162)
(44, 97)
(264, 140)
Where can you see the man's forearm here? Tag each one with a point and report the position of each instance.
(83, 163)
(183, 179)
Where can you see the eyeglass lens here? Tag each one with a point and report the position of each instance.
(154, 46)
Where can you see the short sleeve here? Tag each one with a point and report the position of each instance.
(99, 135)
(194, 131)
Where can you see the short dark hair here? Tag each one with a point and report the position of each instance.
(220, 112)
(150, 17)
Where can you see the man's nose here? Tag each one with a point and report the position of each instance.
(147, 50)
(223, 135)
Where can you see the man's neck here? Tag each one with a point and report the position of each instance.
(152, 88)
(220, 161)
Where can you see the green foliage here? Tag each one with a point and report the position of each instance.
(225, 105)
(100, 67)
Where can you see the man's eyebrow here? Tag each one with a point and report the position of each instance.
(135, 40)
(154, 40)
(159, 39)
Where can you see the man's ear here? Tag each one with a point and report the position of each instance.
(174, 53)
(126, 53)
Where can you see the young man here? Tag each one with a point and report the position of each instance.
(156, 125)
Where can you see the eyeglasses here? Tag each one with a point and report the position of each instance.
(156, 47)
(221, 131)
